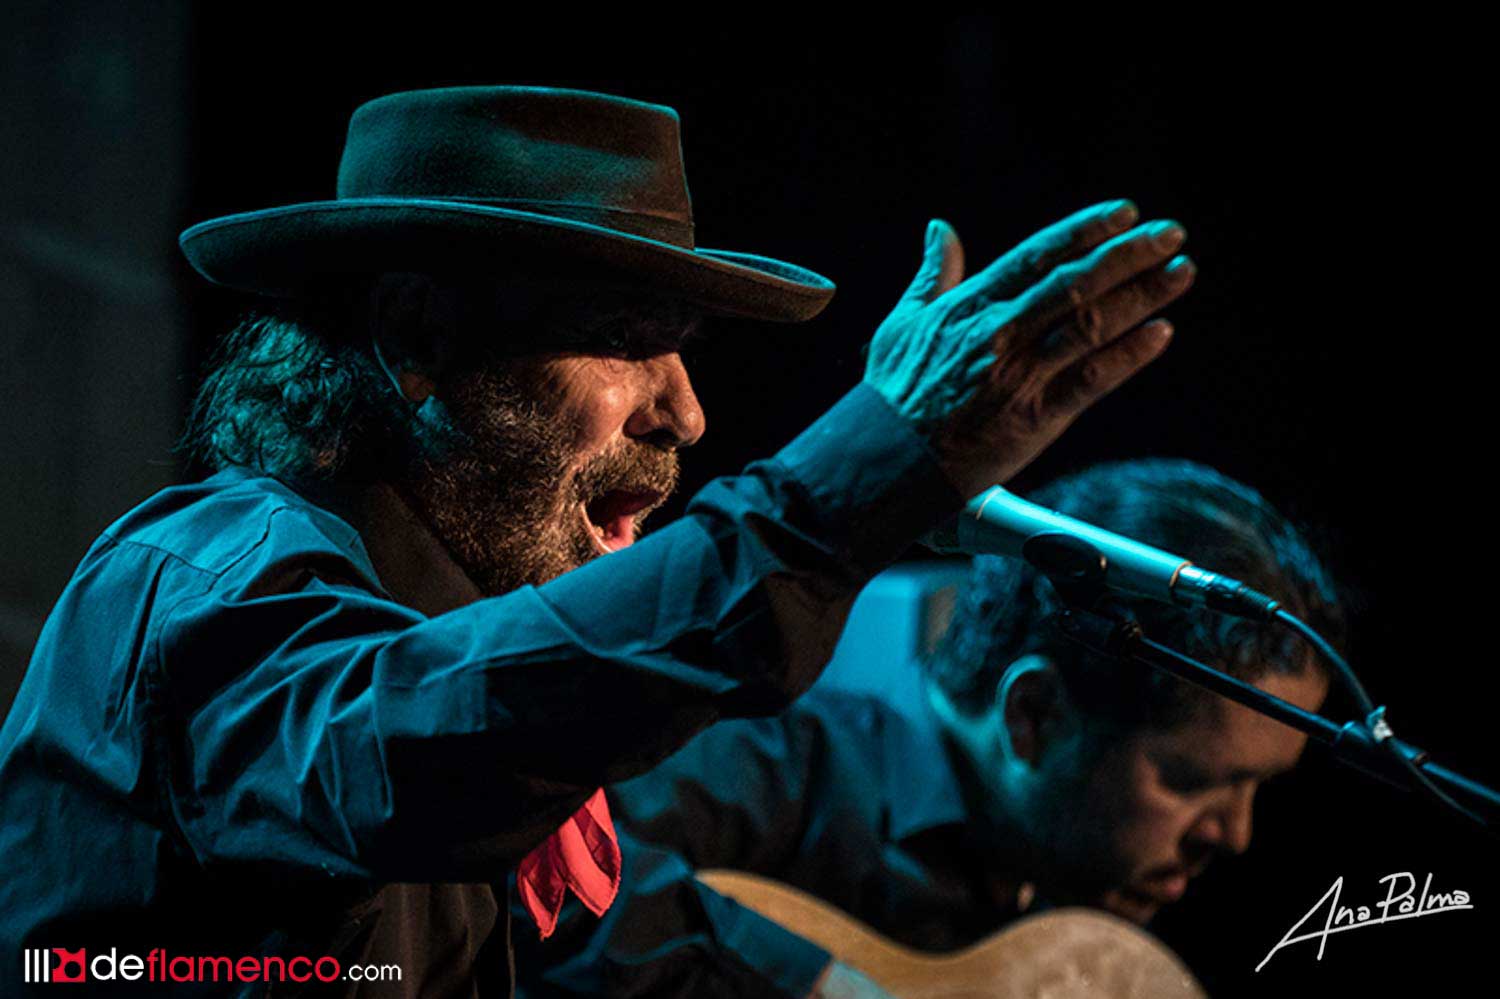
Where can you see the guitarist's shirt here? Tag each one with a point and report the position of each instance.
(842, 796)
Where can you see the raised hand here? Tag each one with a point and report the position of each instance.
(994, 368)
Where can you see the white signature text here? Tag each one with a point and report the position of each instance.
(1400, 902)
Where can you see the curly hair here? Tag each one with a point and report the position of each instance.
(290, 392)
(294, 389)
(1007, 610)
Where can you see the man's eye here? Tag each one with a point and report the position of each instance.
(613, 339)
(1187, 781)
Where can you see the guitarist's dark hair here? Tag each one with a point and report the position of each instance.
(1007, 610)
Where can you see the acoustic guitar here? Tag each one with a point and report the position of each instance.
(1058, 954)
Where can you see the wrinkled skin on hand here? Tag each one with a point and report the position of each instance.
(993, 368)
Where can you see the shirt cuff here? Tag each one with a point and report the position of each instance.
(872, 479)
(789, 963)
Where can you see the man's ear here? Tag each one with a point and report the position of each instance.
(1034, 707)
(413, 322)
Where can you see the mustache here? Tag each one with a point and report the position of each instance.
(630, 467)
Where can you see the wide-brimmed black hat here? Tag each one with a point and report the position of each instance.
(497, 180)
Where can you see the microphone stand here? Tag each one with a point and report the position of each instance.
(1122, 638)
(1078, 571)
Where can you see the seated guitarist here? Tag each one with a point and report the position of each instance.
(1021, 771)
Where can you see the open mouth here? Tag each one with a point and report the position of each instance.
(612, 517)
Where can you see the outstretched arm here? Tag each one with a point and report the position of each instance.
(314, 722)
(321, 725)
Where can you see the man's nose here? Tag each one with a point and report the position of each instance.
(669, 414)
(1227, 825)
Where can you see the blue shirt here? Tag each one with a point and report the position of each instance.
(845, 796)
(266, 721)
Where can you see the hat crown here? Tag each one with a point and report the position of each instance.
(499, 181)
(571, 154)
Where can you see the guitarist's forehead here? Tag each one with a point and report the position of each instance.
(1231, 743)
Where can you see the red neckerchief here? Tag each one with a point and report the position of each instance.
(583, 855)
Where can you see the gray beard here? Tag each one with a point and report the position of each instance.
(493, 482)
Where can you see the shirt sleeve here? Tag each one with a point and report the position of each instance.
(311, 723)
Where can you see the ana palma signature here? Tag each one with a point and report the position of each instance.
(1343, 917)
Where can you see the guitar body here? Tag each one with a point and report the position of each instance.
(1059, 954)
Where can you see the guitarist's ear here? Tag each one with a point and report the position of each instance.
(1034, 709)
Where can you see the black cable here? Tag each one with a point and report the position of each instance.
(1343, 672)
(1374, 717)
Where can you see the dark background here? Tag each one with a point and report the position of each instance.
(1335, 353)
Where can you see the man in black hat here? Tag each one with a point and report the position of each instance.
(298, 725)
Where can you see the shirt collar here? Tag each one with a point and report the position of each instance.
(921, 777)
(411, 563)
(927, 795)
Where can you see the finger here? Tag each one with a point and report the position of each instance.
(942, 264)
(1094, 324)
(953, 257)
(1036, 256)
(1071, 287)
(1100, 373)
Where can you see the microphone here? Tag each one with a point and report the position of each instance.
(1075, 554)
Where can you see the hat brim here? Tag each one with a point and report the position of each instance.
(283, 251)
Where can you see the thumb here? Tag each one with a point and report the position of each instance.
(942, 263)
